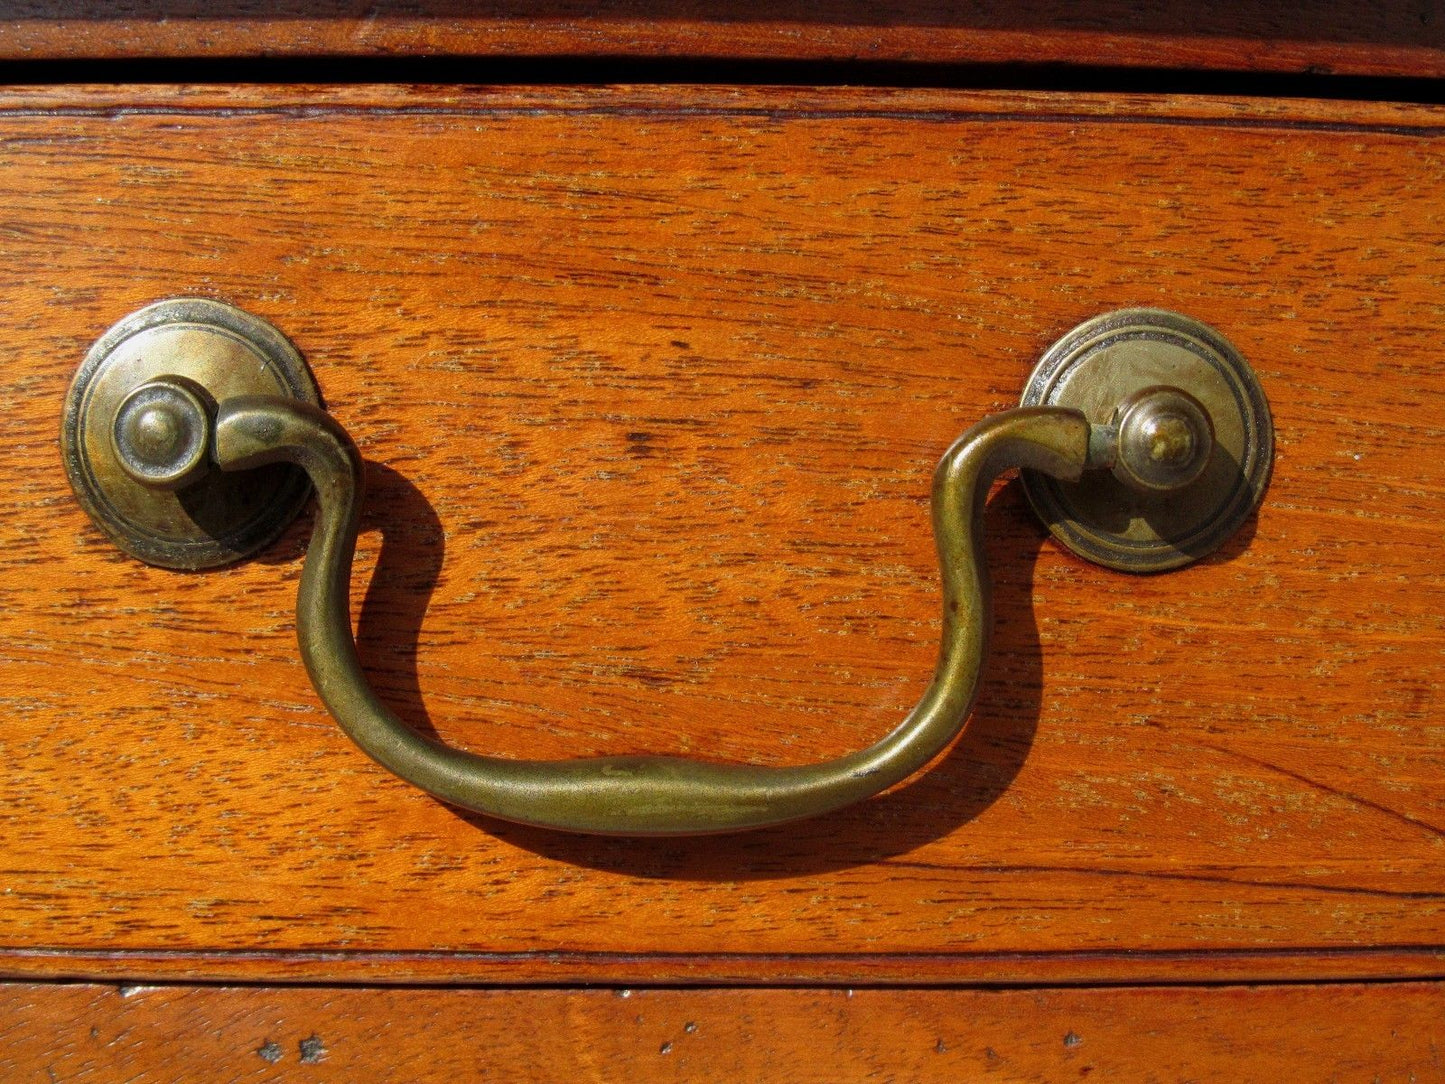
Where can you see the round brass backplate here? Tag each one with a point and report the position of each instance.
(220, 352)
(1097, 367)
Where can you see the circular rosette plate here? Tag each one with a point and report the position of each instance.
(206, 351)
(1102, 365)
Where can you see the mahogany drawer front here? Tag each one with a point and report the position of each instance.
(1337, 37)
(1386, 1031)
(651, 384)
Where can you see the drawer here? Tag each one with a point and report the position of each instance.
(346, 1033)
(650, 384)
(1040, 40)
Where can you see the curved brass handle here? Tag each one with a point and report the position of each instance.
(642, 795)
(1160, 408)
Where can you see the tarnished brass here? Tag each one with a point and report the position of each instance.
(161, 434)
(117, 431)
(1182, 422)
(642, 795)
(1164, 439)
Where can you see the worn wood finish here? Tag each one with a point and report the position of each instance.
(1298, 1033)
(651, 383)
(1324, 36)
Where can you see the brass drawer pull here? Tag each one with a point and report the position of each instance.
(1158, 415)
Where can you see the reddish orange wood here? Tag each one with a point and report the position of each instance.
(1305, 1033)
(652, 383)
(1324, 36)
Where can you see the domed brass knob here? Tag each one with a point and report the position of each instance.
(1164, 440)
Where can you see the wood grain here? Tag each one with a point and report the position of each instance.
(1301, 1033)
(652, 383)
(1324, 36)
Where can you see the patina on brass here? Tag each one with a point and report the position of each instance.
(138, 457)
(161, 433)
(1164, 440)
(1159, 433)
(643, 795)
(1187, 433)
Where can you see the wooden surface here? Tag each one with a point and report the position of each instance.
(55, 1034)
(651, 383)
(1319, 37)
